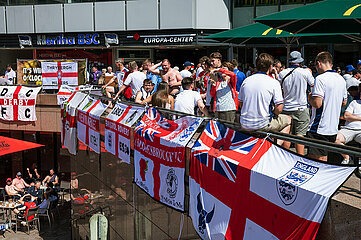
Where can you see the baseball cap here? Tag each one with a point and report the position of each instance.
(349, 68)
(359, 62)
(188, 63)
(295, 57)
(8, 180)
(18, 174)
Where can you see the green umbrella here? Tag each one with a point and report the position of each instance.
(258, 33)
(329, 16)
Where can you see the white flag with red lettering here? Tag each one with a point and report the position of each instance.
(55, 74)
(117, 129)
(17, 103)
(89, 113)
(68, 121)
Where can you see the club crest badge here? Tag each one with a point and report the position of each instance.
(204, 216)
(172, 183)
(287, 185)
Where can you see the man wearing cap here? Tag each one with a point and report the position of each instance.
(185, 72)
(294, 81)
(354, 80)
(134, 80)
(348, 74)
(11, 190)
(359, 64)
(19, 182)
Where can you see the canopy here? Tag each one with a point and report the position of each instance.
(258, 33)
(11, 145)
(329, 16)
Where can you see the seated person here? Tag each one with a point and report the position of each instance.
(52, 178)
(19, 182)
(27, 202)
(48, 198)
(11, 190)
(352, 129)
(33, 173)
(145, 91)
(35, 191)
(82, 198)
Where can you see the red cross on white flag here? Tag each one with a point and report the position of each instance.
(55, 74)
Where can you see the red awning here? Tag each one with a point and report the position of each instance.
(11, 145)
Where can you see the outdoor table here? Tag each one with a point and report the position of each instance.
(9, 207)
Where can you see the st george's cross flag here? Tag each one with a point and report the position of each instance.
(159, 156)
(68, 121)
(66, 91)
(243, 187)
(17, 103)
(118, 129)
(89, 112)
(55, 74)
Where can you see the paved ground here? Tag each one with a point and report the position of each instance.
(61, 230)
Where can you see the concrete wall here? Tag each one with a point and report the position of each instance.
(115, 16)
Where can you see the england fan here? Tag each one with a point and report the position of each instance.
(257, 93)
(328, 96)
(294, 82)
(352, 129)
(188, 100)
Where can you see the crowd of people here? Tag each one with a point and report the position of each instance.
(30, 193)
(301, 100)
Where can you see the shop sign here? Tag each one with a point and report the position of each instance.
(80, 39)
(164, 39)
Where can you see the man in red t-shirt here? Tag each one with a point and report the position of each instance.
(28, 203)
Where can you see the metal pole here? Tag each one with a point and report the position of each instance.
(288, 47)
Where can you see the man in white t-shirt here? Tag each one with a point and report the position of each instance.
(348, 70)
(185, 72)
(257, 93)
(328, 96)
(188, 100)
(294, 81)
(10, 75)
(134, 80)
(352, 129)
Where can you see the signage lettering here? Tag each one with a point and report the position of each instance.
(80, 39)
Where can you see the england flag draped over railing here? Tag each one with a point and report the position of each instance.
(243, 187)
(66, 91)
(55, 74)
(159, 156)
(89, 113)
(17, 103)
(118, 128)
(68, 121)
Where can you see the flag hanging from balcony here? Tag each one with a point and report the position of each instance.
(159, 156)
(243, 187)
(55, 74)
(68, 121)
(17, 103)
(89, 112)
(117, 129)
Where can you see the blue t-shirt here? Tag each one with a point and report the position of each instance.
(240, 78)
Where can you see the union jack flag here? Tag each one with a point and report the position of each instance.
(219, 146)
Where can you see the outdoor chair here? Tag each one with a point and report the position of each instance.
(54, 209)
(64, 189)
(31, 212)
(47, 213)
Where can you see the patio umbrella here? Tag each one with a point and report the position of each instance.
(11, 145)
(258, 33)
(329, 16)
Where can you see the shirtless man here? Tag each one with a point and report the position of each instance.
(168, 75)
